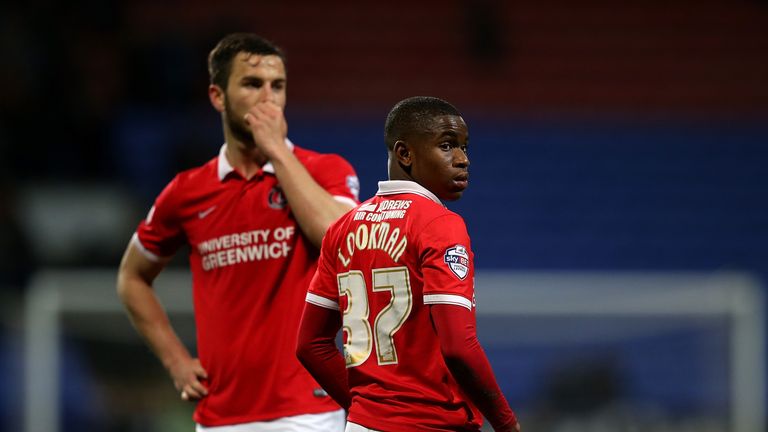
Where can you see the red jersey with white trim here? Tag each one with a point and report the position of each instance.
(382, 265)
(251, 267)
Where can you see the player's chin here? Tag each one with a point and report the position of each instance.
(452, 195)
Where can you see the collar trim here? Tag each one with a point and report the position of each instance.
(392, 187)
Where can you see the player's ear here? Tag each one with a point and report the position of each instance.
(216, 95)
(402, 153)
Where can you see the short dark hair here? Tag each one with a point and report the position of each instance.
(413, 116)
(220, 58)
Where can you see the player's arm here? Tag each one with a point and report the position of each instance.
(316, 350)
(456, 330)
(314, 208)
(134, 287)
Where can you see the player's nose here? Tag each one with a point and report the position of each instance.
(266, 94)
(460, 158)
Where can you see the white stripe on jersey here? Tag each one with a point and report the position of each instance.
(144, 251)
(451, 299)
(322, 302)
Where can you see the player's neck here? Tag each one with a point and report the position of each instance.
(396, 172)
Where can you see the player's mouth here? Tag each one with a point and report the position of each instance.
(461, 181)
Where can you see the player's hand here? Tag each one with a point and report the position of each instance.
(268, 127)
(186, 375)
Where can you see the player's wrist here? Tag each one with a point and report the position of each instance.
(278, 153)
(173, 360)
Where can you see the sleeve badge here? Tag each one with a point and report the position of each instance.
(353, 184)
(457, 259)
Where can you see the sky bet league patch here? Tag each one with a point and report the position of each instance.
(457, 259)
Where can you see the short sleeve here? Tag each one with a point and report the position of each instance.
(160, 234)
(447, 262)
(323, 290)
(337, 176)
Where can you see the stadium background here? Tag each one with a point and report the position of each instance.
(605, 137)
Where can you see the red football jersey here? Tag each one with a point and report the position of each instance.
(251, 267)
(382, 264)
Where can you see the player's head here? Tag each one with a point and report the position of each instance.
(427, 142)
(221, 57)
(245, 69)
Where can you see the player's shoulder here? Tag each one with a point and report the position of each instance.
(429, 210)
(203, 170)
(429, 218)
(436, 224)
(193, 180)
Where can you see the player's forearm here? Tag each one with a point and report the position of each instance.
(469, 366)
(314, 208)
(150, 320)
(316, 350)
(473, 373)
(326, 365)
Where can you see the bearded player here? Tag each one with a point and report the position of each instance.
(396, 273)
(253, 218)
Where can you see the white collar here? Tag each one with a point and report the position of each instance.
(392, 187)
(225, 167)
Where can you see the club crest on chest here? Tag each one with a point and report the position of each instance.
(276, 199)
